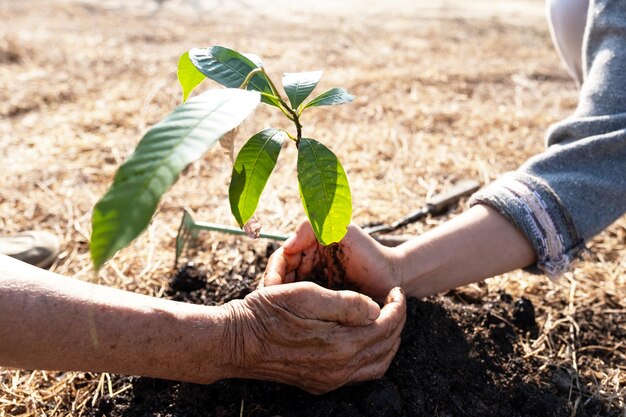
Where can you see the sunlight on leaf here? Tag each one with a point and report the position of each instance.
(253, 167)
(324, 190)
(230, 68)
(164, 151)
(331, 97)
(298, 85)
(188, 75)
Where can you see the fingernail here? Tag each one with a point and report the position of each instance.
(374, 311)
(269, 278)
(289, 242)
(399, 293)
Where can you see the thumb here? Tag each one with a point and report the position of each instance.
(310, 301)
(301, 240)
(275, 271)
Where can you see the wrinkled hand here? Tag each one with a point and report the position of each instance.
(317, 339)
(357, 262)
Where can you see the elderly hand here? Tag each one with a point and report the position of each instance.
(299, 334)
(357, 262)
(311, 337)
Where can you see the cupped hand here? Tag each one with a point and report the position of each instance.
(357, 262)
(311, 337)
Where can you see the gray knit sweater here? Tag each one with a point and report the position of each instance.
(564, 196)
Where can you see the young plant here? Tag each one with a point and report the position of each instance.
(197, 124)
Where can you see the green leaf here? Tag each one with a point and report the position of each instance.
(331, 97)
(324, 190)
(298, 85)
(254, 58)
(253, 166)
(164, 151)
(188, 75)
(230, 68)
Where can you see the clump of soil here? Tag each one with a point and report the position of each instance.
(456, 359)
(329, 272)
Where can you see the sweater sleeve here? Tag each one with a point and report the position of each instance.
(564, 196)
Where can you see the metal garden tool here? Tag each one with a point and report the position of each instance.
(437, 205)
(189, 228)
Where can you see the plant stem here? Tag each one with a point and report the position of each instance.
(281, 108)
(251, 74)
(296, 121)
(247, 80)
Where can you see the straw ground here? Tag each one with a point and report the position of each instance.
(444, 92)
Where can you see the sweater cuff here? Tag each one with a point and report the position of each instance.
(533, 207)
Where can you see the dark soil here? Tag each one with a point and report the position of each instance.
(459, 357)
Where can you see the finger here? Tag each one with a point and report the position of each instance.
(377, 368)
(396, 296)
(375, 342)
(302, 239)
(281, 268)
(309, 259)
(372, 358)
(310, 301)
(276, 269)
(393, 314)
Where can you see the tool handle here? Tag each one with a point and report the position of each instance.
(435, 206)
(392, 240)
(410, 218)
(440, 202)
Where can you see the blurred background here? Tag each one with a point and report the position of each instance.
(446, 90)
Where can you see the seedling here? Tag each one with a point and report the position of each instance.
(196, 125)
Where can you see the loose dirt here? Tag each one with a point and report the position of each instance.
(456, 359)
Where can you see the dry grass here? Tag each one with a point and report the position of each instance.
(443, 95)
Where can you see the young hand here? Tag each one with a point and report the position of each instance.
(358, 262)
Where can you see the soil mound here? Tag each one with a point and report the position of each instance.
(456, 359)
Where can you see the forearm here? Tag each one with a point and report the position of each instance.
(51, 322)
(566, 195)
(478, 244)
